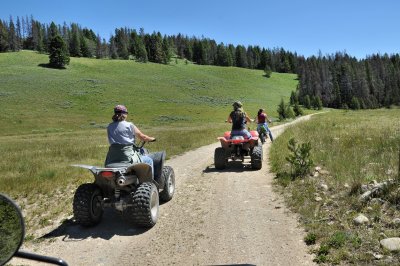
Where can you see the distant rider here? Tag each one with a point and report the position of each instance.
(239, 118)
(121, 136)
(262, 120)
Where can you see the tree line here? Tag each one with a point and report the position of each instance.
(125, 43)
(342, 81)
(338, 81)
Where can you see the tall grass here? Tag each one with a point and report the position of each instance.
(354, 148)
(351, 145)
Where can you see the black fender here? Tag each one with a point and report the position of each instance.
(142, 171)
(158, 161)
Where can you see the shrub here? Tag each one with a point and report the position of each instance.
(294, 99)
(289, 112)
(284, 111)
(300, 160)
(317, 103)
(267, 71)
(355, 104)
(297, 110)
(338, 239)
(310, 239)
(307, 102)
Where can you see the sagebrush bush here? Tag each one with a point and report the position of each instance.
(299, 160)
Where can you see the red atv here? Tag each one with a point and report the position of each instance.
(238, 148)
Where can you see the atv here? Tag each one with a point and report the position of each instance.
(128, 188)
(236, 148)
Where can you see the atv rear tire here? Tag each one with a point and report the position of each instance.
(262, 138)
(87, 205)
(220, 160)
(145, 209)
(168, 176)
(256, 157)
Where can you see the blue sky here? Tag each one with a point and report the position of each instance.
(359, 27)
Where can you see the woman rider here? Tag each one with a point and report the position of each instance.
(121, 136)
(262, 119)
(238, 118)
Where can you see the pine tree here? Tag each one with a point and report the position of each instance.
(166, 50)
(75, 42)
(19, 33)
(297, 109)
(293, 98)
(307, 102)
(12, 37)
(3, 37)
(58, 52)
(281, 110)
(113, 49)
(267, 71)
(141, 53)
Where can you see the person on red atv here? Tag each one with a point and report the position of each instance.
(239, 118)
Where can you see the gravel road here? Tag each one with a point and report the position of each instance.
(229, 217)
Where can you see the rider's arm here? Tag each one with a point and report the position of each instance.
(229, 120)
(141, 135)
(268, 120)
(248, 119)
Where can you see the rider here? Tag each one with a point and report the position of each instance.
(121, 136)
(239, 118)
(262, 120)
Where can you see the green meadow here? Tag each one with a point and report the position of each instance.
(53, 118)
(353, 149)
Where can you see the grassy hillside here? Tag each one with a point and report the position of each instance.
(87, 90)
(356, 151)
(53, 118)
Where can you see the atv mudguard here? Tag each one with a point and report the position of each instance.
(226, 141)
(158, 163)
(142, 171)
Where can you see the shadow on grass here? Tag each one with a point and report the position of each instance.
(49, 66)
(112, 224)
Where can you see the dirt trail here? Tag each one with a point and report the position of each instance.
(216, 218)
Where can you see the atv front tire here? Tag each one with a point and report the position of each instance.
(87, 205)
(256, 157)
(168, 191)
(145, 209)
(220, 160)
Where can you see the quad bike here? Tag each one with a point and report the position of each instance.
(12, 235)
(238, 148)
(128, 188)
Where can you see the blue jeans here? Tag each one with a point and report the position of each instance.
(243, 133)
(265, 125)
(149, 161)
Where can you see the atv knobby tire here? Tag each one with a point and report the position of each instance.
(256, 157)
(262, 138)
(145, 205)
(87, 205)
(168, 191)
(220, 160)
